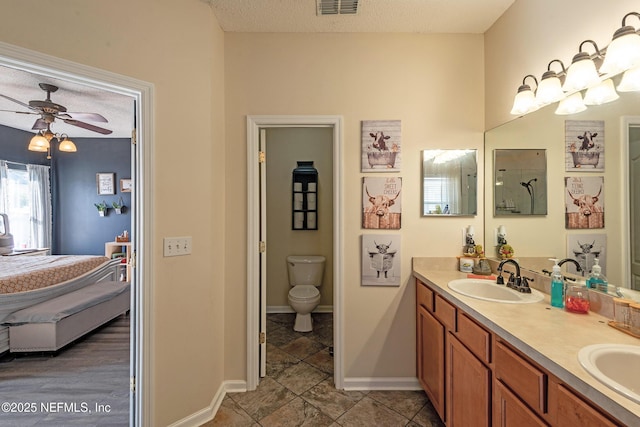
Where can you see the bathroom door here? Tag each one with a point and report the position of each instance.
(263, 253)
(634, 203)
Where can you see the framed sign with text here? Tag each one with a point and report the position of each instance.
(105, 183)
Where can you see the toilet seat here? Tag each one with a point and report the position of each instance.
(303, 292)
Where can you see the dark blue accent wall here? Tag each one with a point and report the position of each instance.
(77, 227)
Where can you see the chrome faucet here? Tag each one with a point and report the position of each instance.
(517, 282)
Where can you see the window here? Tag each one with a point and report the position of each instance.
(25, 196)
(435, 195)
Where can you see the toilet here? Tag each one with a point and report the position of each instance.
(305, 276)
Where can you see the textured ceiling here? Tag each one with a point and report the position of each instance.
(391, 16)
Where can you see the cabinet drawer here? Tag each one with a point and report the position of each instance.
(445, 312)
(474, 337)
(424, 296)
(510, 411)
(574, 411)
(524, 379)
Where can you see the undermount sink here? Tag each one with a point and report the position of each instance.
(489, 291)
(614, 365)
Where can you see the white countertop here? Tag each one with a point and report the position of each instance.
(550, 336)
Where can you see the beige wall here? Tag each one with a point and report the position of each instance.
(433, 83)
(286, 146)
(178, 47)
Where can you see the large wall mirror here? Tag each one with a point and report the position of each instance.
(546, 236)
(449, 182)
(520, 181)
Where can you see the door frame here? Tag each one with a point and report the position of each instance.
(626, 122)
(254, 123)
(142, 92)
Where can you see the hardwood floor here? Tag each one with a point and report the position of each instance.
(85, 384)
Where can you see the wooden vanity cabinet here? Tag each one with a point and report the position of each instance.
(430, 349)
(475, 378)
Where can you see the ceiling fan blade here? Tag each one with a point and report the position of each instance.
(94, 117)
(87, 126)
(39, 125)
(16, 101)
(18, 112)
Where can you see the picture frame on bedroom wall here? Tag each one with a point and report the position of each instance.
(105, 183)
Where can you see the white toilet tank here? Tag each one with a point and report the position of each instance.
(305, 269)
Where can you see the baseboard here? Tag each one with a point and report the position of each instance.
(272, 309)
(206, 414)
(381, 383)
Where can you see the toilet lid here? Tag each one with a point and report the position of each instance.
(304, 291)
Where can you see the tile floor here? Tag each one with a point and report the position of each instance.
(298, 389)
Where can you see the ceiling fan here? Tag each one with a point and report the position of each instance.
(50, 111)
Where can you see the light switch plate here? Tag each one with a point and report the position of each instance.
(176, 246)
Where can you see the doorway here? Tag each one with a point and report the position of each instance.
(141, 173)
(256, 259)
(631, 188)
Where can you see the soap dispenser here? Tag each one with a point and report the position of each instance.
(557, 286)
(596, 279)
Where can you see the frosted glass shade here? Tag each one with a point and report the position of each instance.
(601, 93)
(630, 81)
(524, 102)
(549, 91)
(39, 143)
(623, 52)
(571, 105)
(68, 146)
(581, 74)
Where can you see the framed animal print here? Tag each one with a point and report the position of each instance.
(585, 248)
(381, 147)
(584, 145)
(584, 202)
(381, 203)
(381, 260)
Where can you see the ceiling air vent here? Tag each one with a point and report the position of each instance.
(337, 7)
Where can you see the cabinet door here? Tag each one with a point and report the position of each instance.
(573, 411)
(510, 411)
(431, 358)
(468, 387)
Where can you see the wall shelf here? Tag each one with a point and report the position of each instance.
(304, 215)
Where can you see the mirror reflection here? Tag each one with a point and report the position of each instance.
(542, 237)
(449, 182)
(520, 180)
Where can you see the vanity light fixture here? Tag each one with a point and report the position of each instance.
(525, 100)
(582, 72)
(41, 142)
(622, 55)
(623, 52)
(550, 87)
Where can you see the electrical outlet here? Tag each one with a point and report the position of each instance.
(175, 246)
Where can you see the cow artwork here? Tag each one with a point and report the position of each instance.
(584, 205)
(381, 207)
(380, 145)
(584, 142)
(381, 260)
(585, 248)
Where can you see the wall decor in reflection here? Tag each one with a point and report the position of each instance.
(381, 260)
(520, 182)
(381, 147)
(584, 248)
(584, 202)
(584, 145)
(381, 203)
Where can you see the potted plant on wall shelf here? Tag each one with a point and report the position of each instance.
(118, 206)
(102, 208)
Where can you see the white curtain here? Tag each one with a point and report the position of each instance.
(41, 223)
(4, 195)
(452, 189)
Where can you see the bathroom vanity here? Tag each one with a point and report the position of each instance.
(499, 364)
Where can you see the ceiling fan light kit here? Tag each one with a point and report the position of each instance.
(49, 112)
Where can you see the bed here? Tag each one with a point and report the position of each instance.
(29, 280)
